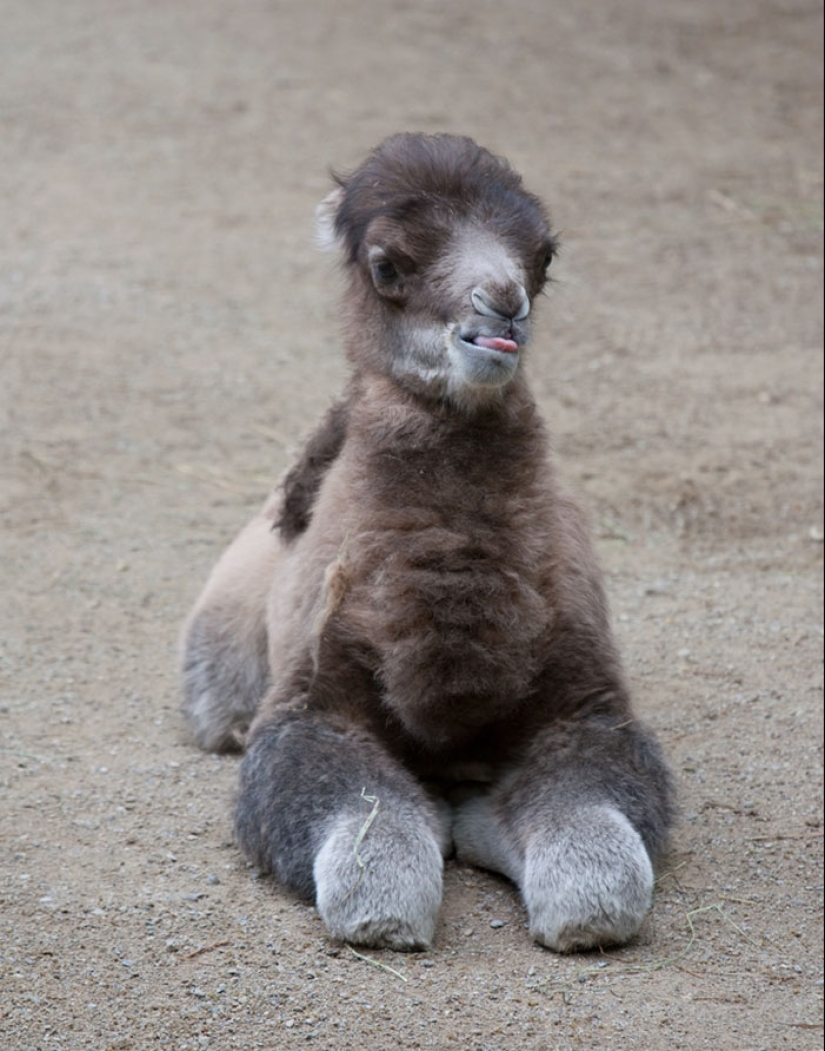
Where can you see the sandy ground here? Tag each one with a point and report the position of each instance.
(168, 334)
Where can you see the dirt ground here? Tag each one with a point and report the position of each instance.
(168, 334)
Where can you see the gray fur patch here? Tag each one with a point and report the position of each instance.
(224, 680)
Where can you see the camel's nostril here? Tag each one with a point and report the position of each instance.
(512, 304)
(524, 308)
(482, 303)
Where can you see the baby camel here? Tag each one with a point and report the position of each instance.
(411, 639)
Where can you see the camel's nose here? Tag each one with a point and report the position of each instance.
(510, 304)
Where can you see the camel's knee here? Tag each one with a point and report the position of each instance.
(589, 883)
(336, 818)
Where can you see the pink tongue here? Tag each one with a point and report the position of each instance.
(506, 346)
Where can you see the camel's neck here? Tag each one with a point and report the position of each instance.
(492, 451)
(395, 418)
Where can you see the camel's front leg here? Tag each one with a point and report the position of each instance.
(577, 826)
(335, 818)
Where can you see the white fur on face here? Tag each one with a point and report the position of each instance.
(476, 257)
(476, 274)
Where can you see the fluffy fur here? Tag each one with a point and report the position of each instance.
(412, 639)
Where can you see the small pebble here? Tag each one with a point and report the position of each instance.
(495, 924)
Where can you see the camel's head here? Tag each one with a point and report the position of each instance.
(447, 252)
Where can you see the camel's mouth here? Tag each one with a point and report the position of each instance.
(483, 359)
(473, 340)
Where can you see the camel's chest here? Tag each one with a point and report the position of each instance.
(448, 611)
(441, 583)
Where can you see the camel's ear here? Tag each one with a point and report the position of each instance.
(325, 235)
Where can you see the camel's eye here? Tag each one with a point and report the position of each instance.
(543, 263)
(384, 272)
(386, 275)
(548, 254)
(548, 257)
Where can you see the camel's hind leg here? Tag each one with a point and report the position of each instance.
(224, 646)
